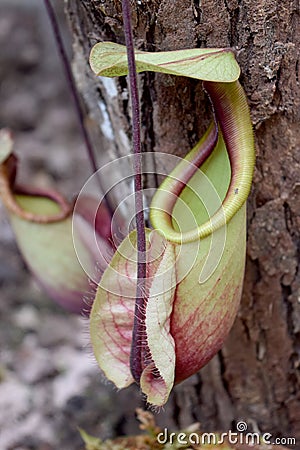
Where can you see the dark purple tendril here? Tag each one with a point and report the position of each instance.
(136, 357)
(72, 86)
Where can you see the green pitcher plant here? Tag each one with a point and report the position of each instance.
(42, 223)
(195, 253)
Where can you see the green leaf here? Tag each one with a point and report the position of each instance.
(91, 442)
(211, 64)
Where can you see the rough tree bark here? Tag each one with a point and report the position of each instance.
(256, 375)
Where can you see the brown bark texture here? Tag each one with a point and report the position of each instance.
(255, 377)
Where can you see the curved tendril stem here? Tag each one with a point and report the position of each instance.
(233, 115)
(232, 112)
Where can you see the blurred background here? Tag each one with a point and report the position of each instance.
(49, 381)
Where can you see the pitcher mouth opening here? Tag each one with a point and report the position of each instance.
(13, 193)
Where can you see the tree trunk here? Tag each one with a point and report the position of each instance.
(255, 377)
